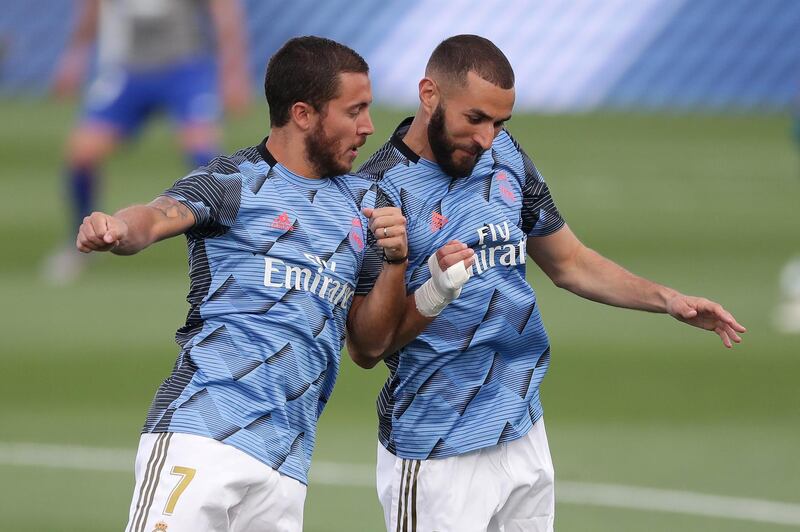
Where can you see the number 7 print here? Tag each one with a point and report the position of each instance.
(186, 474)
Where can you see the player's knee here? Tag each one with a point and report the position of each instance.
(88, 148)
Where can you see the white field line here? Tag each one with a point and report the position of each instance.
(361, 475)
(681, 502)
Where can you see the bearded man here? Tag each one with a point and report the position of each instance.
(462, 443)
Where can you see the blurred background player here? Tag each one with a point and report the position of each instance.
(787, 315)
(176, 57)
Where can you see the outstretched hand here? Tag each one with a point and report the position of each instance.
(100, 232)
(708, 315)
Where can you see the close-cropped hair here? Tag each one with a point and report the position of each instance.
(306, 69)
(461, 54)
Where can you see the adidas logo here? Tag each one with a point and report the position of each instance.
(437, 221)
(282, 222)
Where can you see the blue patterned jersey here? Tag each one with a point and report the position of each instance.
(471, 379)
(274, 260)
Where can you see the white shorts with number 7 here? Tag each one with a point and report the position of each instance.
(186, 482)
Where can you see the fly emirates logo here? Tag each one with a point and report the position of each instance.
(502, 251)
(279, 274)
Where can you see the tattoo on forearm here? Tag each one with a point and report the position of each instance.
(170, 207)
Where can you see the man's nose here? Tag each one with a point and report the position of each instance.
(484, 136)
(365, 126)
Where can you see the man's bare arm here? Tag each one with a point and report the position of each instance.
(74, 61)
(230, 26)
(134, 228)
(372, 320)
(574, 267)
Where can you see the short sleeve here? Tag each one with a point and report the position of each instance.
(213, 198)
(373, 254)
(540, 217)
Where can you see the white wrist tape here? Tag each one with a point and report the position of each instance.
(442, 288)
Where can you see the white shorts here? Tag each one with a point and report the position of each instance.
(187, 483)
(504, 488)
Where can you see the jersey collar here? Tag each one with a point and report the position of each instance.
(397, 140)
(265, 153)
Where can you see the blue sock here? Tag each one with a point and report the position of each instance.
(82, 192)
(201, 157)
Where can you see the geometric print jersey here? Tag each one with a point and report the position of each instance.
(471, 379)
(273, 265)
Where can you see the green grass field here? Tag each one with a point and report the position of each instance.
(707, 204)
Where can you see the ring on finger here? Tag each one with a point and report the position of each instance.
(385, 233)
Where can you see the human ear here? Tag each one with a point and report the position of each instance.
(303, 115)
(429, 94)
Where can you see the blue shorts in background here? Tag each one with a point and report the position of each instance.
(122, 98)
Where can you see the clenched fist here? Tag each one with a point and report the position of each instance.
(389, 227)
(100, 232)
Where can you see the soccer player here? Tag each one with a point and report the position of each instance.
(787, 315)
(462, 442)
(151, 56)
(276, 241)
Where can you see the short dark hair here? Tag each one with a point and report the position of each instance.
(306, 69)
(460, 54)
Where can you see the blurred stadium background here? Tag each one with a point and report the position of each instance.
(664, 129)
